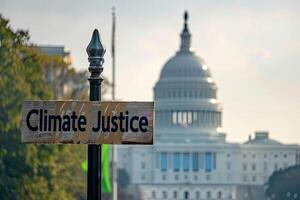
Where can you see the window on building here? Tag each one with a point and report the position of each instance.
(197, 195)
(164, 177)
(153, 194)
(228, 165)
(143, 177)
(163, 161)
(189, 117)
(275, 166)
(184, 118)
(208, 177)
(253, 167)
(208, 195)
(176, 162)
(170, 160)
(186, 195)
(186, 177)
(175, 194)
(275, 156)
(165, 194)
(143, 165)
(186, 162)
(157, 160)
(195, 177)
(244, 166)
(176, 177)
(214, 160)
(174, 117)
(184, 94)
(245, 178)
(195, 116)
(206, 120)
(219, 195)
(265, 166)
(253, 178)
(228, 177)
(285, 156)
(179, 117)
(195, 158)
(208, 161)
(201, 160)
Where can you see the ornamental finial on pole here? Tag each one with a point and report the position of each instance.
(95, 51)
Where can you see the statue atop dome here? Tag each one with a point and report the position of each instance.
(186, 17)
(185, 35)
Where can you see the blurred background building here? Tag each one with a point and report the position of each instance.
(191, 158)
(67, 83)
(53, 50)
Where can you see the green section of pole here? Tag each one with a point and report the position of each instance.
(106, 185)
(95, 51)
(105, 169)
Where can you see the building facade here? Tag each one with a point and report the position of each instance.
(191, 158)
(66, 82)
(53, 50)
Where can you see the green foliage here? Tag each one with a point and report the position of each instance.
(31, 171)
(284, 184)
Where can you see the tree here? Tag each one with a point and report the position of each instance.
(284, 184)
(31, 171)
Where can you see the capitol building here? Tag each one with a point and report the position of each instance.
(190, 158)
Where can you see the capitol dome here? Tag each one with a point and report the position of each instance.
(186, 97)
(185, 64)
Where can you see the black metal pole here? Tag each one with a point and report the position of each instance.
(95, 51)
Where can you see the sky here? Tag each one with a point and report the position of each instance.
(251, 47)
